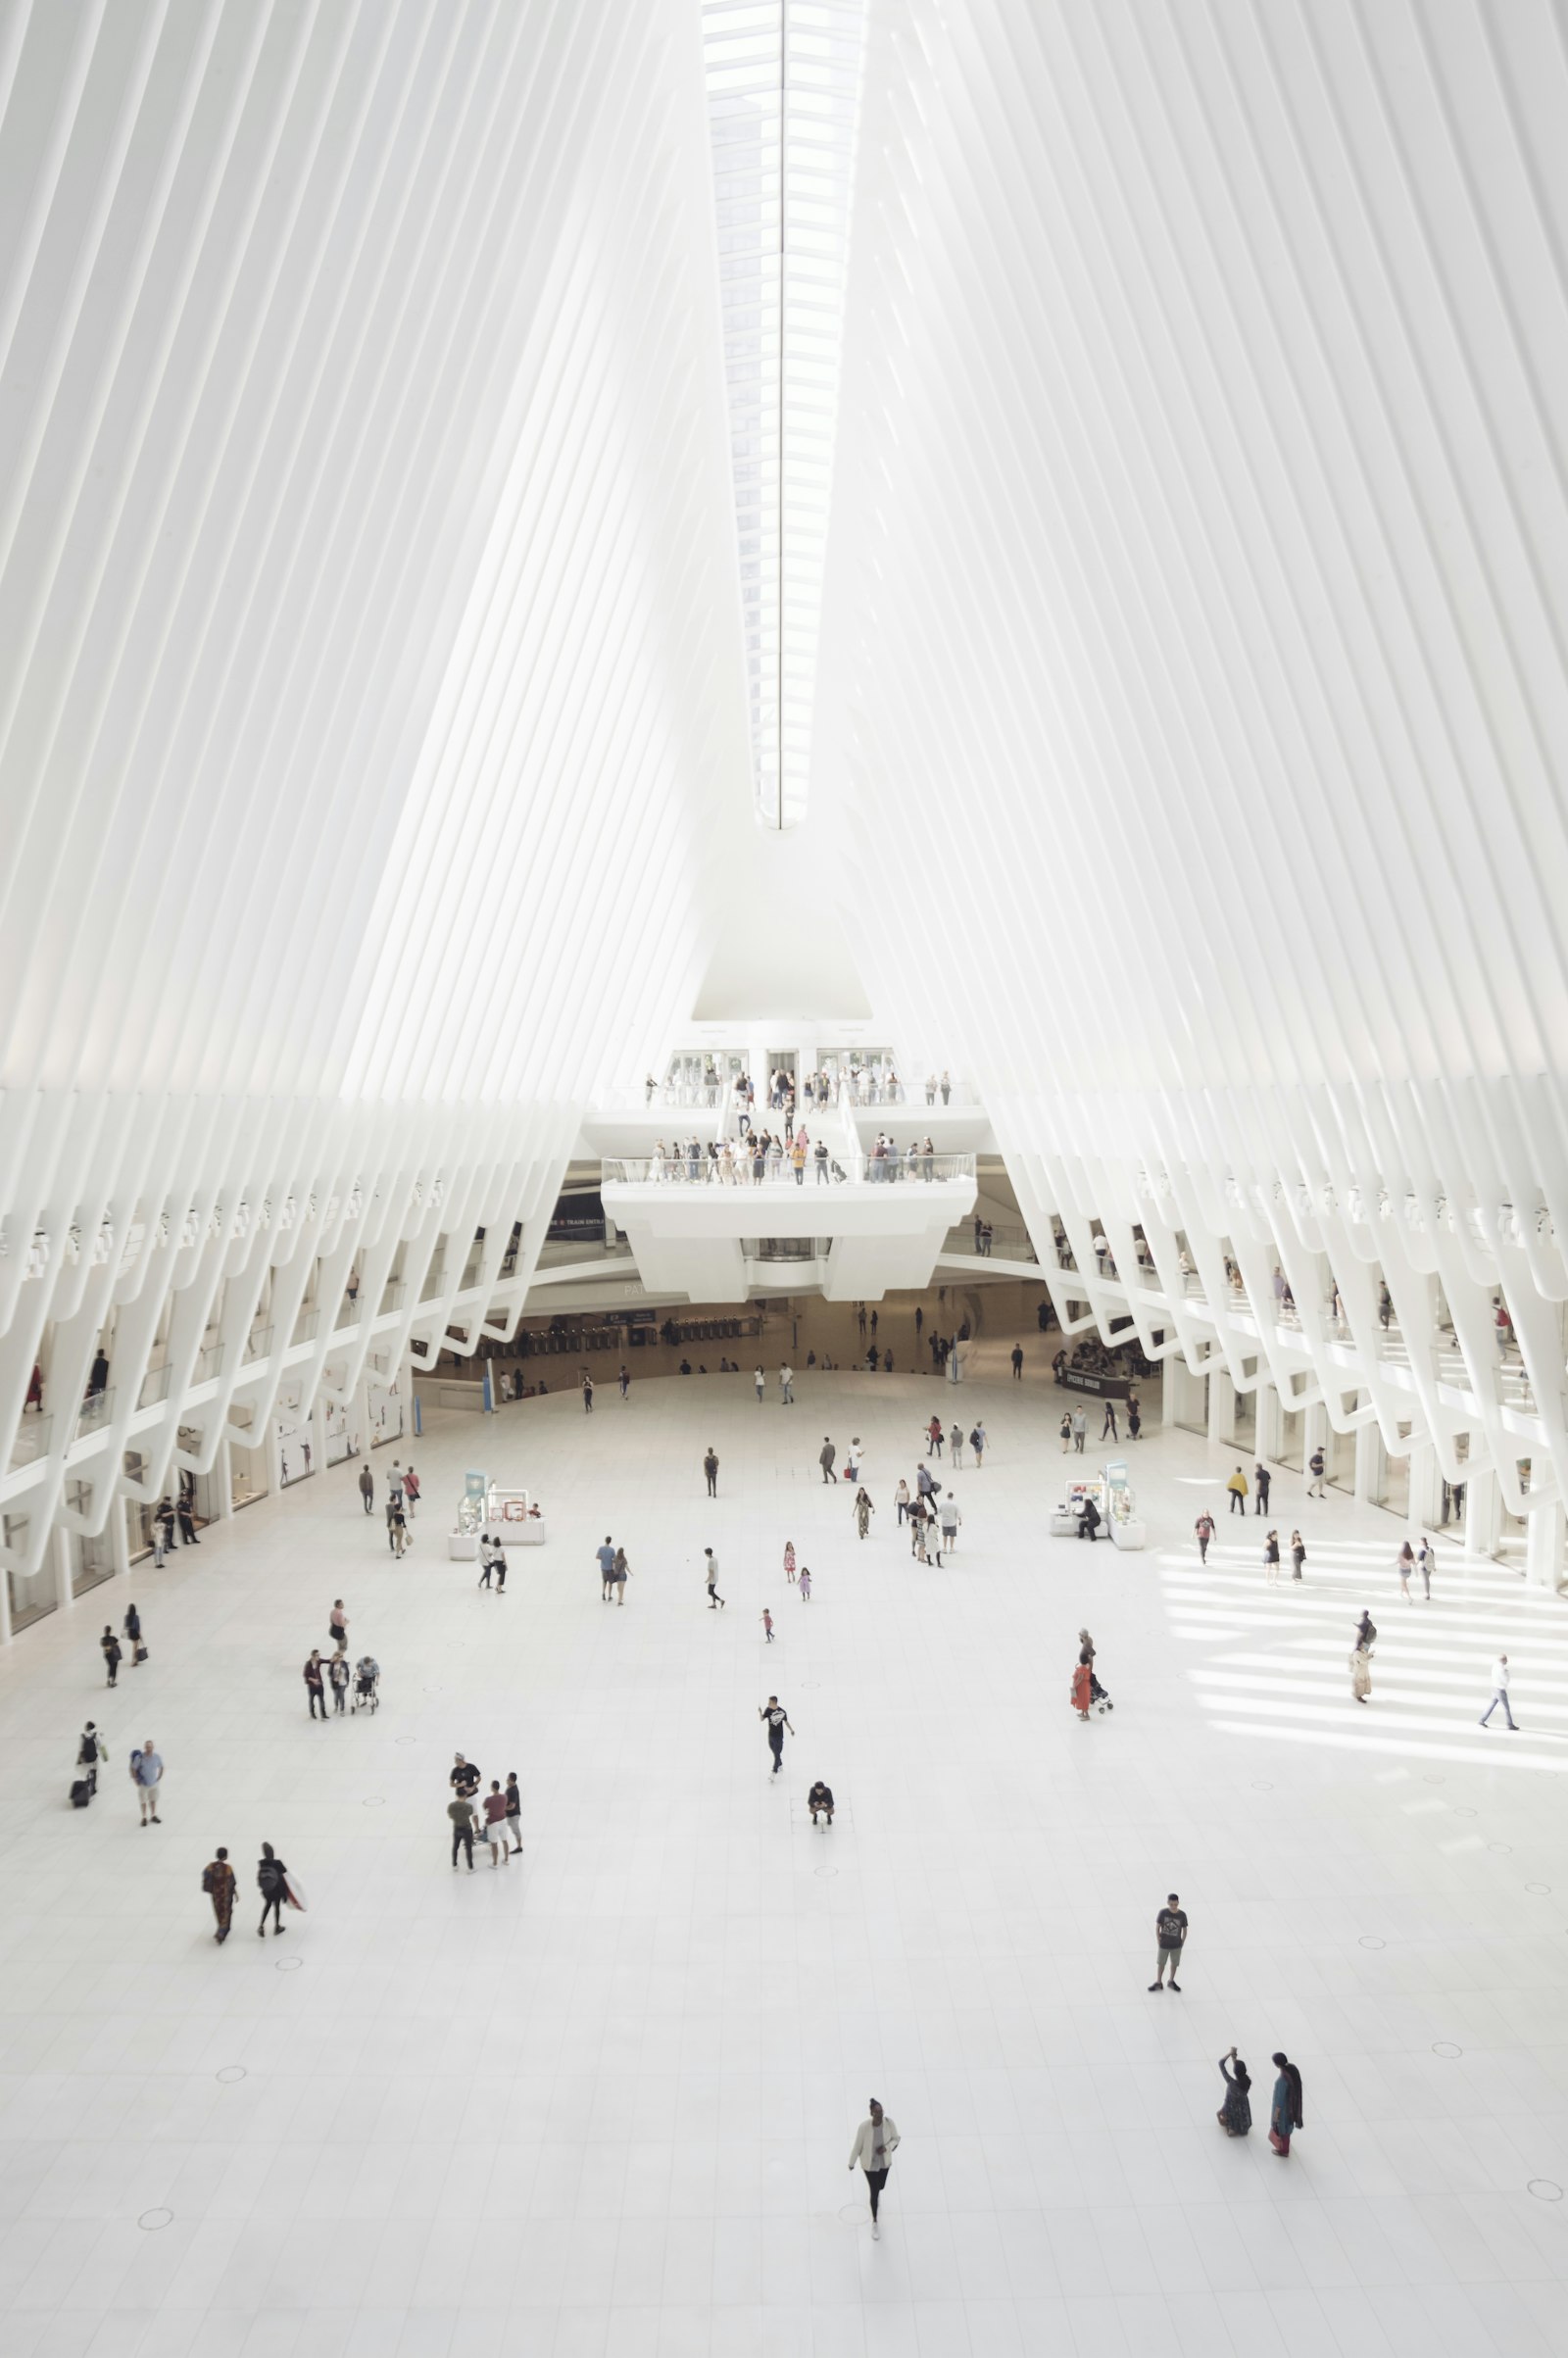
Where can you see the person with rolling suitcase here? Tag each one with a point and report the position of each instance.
(91, 1749)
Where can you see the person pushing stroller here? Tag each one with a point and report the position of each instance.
(366, 1684)
(1087, 1694)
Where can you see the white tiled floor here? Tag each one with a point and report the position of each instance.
(600, 2103)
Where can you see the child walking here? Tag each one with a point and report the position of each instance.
(767, 1624)
(804, 1584)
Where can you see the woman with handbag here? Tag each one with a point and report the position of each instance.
(132, 1626)
(1285, 2112)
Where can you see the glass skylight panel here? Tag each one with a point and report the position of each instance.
(783, 102)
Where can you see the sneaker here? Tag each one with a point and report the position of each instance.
(1155, 1988)
(1175, 1985)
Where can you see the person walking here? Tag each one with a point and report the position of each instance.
(768, 1625)
(605, 1556)
(1170, 1932)
(863, 1511)
(337, 1671)
(934, 1436)
(91, 1749)
(1285, 2110)
(956, 1444)
(1235, 2115)
(619, 1573)
(271, 1881)
(710, 1575)
(624, 1381)
(1237, 1485)
(1204, 1530)
(316, 1683)
(1134, 1416)
(337, 1624)
(411, 1494)
(949, 1521)
(1362, 1657)
(397, 1526)
(786, 1386)
(368, 1489)
(1271, 1559)
(1404, 1565)
(163, 1517)
(977, 1444)
(1017, 1362)
(1500, 1693)
(1080, 1430)
(147, 1775)
(761, 1383)
(789, 1561)
(1317, 1467)
(901, 1499)
(514, 1810)
(460, 1809)
(218, 1882)
(1297, 1555)
(587, 1393)
(495, 1824)
(804, 1584)
(826, 1457)
(1261, 1478)
(1066, 1431)
(876, 2141)
(1107, 1430)
(710, 1470)
(491, 1559)
(777, 1719)
(1426, 1556)
(108, 1648)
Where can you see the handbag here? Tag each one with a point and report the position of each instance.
(141, 1653)
(1281, 2145)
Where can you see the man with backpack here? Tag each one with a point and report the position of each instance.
(91, 1749)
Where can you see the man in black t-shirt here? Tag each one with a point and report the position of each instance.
(1170, 1931)
(465, 1778)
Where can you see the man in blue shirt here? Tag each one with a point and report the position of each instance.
(607, 1566)
(147, 1775)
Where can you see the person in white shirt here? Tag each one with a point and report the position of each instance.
(876, 2141)
(1499, 1693)
(950, 1519)
(758, 1379)
(786, 1386)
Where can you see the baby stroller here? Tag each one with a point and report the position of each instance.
(366, 1684)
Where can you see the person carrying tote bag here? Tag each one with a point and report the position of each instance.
(1285, 2112)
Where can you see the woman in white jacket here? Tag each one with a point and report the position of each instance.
(876, 2141)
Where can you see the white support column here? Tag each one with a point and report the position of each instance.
(1221, 1405)
(1314, 1430)
(221, 1483)
(60, 1558)
(1544, 1538)
(1426, 1488)
(119, 1515)
(1269, 1420)
(1482, 1506)
(319, 1435)
(1368, 1442)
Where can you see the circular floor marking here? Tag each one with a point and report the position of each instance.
(1371, 1940)
(1262, 1785)
(374, 1801)
(231, 2073)
(1545, 2189)
(288, 1964)
(1431, 1778)
(1540, 1888)
(1499, 1846)
(825, 1870)
(855, 2212)
(1460, 1812)
(152, 2221)
(1446, 2048)
(405, 1740)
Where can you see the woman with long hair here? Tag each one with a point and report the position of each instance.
(863, 1511)
(1285, 2112)
(1235, 2115)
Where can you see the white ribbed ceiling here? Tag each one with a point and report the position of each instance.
(1165, 416)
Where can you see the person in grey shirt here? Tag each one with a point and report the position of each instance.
(825, 1458)
(147, 1775)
